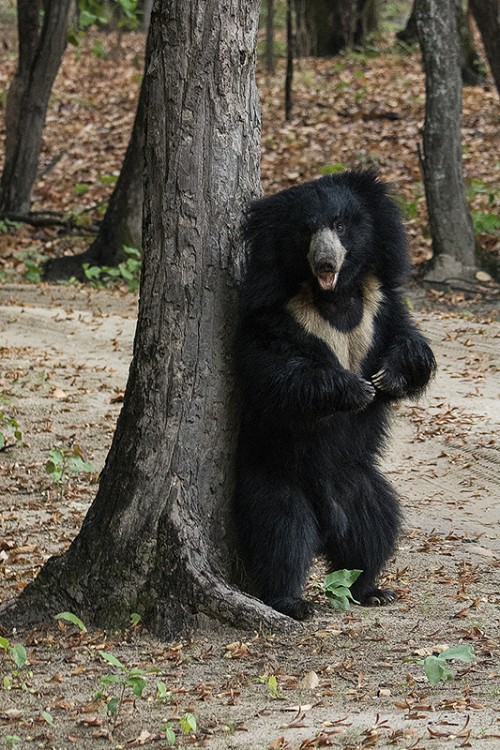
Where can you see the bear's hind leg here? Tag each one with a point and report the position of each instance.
(374, 523)
(279, 539)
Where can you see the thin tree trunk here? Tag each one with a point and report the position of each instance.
(270, 37)
(40, 55)
(449, 219)
(289, 62)
(487, 16)
(122, 222)
(156, 540)
(471, 65)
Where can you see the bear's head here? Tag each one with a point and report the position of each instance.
(332, 233)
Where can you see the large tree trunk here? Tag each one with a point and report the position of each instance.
(449, 219)
(157, 538)
(487, 16)
(40, 53)
(122, 222)
(325, 27)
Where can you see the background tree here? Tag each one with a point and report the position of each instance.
(122, 223)
(325, 27)
(270, 36)
(156, 538)
(42, 39)
(290, 49)
(471, 64)
(487, 16)
(449, 219)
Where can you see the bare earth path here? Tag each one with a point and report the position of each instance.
(346, 680)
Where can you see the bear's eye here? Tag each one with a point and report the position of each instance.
(339, 226)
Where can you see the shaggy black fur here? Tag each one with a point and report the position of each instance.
(325, 343)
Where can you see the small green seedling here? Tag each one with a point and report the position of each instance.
(272, 686)
(73, 619)
(436, 667)
(66, 461)
(135, 619)
(18, 655)
(163, 694)
(129, 271)
(169, 733)
(12, 741)
(336, 587)
(187, 724)
(10, 434)
(133, 679)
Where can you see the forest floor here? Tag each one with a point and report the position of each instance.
(351, 680)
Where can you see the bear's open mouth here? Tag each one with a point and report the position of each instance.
(327, 280)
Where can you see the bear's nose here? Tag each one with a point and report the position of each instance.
(324, 266)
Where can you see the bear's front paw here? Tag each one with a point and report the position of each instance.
(406, 370)
(379, 598)
(295, 607)
(358, 394)
(390, 382)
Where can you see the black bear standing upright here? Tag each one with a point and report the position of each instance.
(325, 343)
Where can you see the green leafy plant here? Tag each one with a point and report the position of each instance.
(73, 619)
(163, 694)
(485, 223)
(436, 666)
(31, 261)
(9, 431)
(128, 271)
(169, 733)
(16, 654)
(336, 587)
(134, 680)
(12, 741)
(7, 226)
(187, 725)
(271, 683)
(66, 461)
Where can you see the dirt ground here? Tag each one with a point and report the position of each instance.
(348, 680)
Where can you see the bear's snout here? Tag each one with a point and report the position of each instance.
(326, 256)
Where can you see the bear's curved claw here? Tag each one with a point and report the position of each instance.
(379, 598)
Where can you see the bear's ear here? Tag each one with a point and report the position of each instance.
(391, 255)
(263, 285)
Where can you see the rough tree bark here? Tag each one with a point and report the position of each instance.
(122, 222)
(487, 16)
(449, 219)
(156, 539)
(471, 64)
(41, 47)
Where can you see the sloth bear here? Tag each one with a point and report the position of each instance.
(325, 343)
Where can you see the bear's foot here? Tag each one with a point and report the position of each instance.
(298, 609)
(378, 598)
